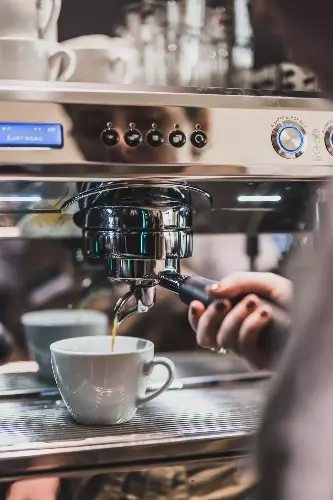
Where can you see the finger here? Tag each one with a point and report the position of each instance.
(268, 285)
(249, 333)
(209, 323)
(227, 336)
(195, 312)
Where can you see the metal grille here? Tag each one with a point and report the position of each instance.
(15, 384)
(184, 413)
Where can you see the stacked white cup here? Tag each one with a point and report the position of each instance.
(29, 48)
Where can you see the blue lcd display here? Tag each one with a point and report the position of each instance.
(31, 135)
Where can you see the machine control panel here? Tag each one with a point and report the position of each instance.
(329, 139)
(155, 138)
(289, 139)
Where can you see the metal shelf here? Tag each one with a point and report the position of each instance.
(182, 425)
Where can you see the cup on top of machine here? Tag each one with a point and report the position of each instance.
(102, 59)
(29, 18)
(42, 328)
(33, 59)
(101, 387)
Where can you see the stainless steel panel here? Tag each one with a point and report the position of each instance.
(239, 126)
(180, 426)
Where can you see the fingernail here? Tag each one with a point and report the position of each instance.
(213, 288)
(264, 314)
(193, 311)
(251, 305)
(220, 306)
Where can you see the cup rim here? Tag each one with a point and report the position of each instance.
(56, 346)
(35, 318)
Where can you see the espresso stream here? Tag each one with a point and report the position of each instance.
(114, 332)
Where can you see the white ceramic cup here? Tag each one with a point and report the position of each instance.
(48, 16)
(30, 59)
(102, 59)
(104, 388)
(101, 65)
(42, 328)
(29, 18)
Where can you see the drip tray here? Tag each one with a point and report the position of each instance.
(179, 426)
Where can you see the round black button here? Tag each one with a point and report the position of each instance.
(199, 139)
(155, 138)
(110, 137)
(133, 138)
(177, 138)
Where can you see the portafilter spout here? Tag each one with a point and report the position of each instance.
(137, 300)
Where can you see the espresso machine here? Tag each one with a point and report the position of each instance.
(134, 173)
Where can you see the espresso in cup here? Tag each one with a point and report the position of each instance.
(100, 387)
(42, 328)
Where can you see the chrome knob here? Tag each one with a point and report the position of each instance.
(289, 139)
(329, 139)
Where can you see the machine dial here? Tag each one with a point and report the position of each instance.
(329, 139)
(289, 139)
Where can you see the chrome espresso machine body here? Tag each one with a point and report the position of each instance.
(133, 173)
(134, 161)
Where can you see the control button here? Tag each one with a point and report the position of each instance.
(110, 137)
(177, 138)
(329, 139)
(155, 138)
(289, 140)
(133, 138)
(199, 139)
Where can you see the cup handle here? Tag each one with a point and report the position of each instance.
(129, 70)
(53, 17)
(171, 375)
(68, 62)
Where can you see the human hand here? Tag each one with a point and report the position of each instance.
(34, 489)
(222, 327)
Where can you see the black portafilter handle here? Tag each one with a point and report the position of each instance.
(273, 337)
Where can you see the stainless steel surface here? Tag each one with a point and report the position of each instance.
(140, 299)
(238, 124)
(143, 271)
(182, 425)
